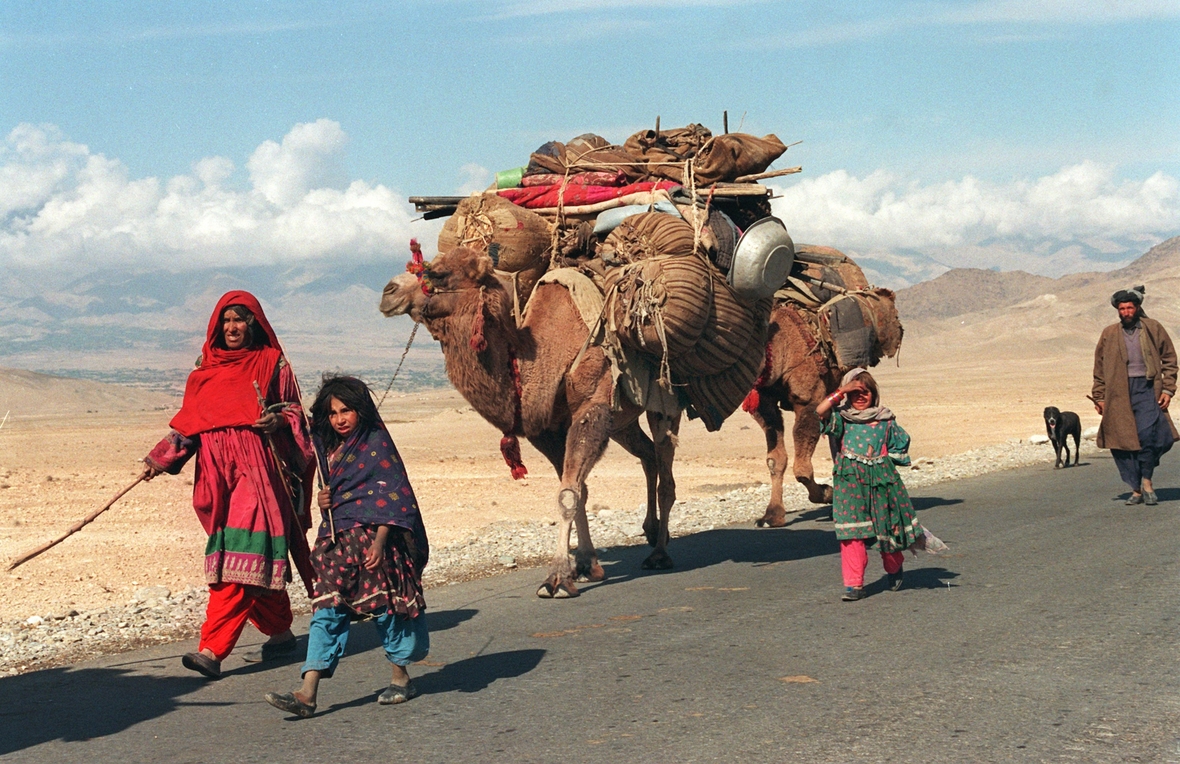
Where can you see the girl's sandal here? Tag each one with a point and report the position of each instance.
(286, 701)
(396, 693)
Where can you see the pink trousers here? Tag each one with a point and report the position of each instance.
(854, 558)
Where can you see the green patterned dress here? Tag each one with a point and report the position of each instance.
(869, 500)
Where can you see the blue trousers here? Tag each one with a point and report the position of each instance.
(405, 639)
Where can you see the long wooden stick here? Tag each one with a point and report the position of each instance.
(771, 174)
(75, 527)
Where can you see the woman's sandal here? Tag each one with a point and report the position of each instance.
(396, 693)
(286, 701)
(202, 664)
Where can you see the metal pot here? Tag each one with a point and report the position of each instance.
(761, 260)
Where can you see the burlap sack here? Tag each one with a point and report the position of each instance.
(586, 153)
(671, 294)
(728, 157)
(664, 152)
(716, 396)
(846, 274)
(651, 234)
(727, 333)
(516, 238)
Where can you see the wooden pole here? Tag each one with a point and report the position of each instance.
(764, 175)
(75, 527)
(657, 125)
(725, 120)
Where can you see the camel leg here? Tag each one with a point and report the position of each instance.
(770, 418)
(584, 444)
(806, 434)
(665, 433)
(635, 442)
(586, 566)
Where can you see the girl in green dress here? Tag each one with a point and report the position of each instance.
(870, 504)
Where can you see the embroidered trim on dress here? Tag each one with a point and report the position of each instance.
(863, 459)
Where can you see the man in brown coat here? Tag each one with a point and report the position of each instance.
(1134, 381)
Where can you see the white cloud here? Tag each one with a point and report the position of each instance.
(311, 156)
(61, 203)
(1079, 217)
(476, 177)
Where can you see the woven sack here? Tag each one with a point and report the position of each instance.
(516, 238)
(728, 157)
(716, 396)
(650, 234)
(671, 293)
(727, 333)
(664, 152)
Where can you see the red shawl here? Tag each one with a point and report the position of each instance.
(220, 392)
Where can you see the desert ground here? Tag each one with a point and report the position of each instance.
(984, 353)
(55, 469)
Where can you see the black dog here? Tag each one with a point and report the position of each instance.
(1060, 425)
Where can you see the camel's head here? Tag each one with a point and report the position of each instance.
(459, 269)
(403, 294)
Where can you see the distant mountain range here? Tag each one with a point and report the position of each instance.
(145, 327)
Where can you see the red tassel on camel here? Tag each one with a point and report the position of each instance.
(754, 398)
(510, 448)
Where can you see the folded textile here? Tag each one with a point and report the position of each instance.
(552, 196)
(615, 178)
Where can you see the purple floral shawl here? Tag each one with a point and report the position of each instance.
(369, 486)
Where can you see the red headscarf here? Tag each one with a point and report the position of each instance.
(220, 392)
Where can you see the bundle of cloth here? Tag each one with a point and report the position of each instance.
(854, 323)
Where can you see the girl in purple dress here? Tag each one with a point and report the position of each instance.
(371, 547)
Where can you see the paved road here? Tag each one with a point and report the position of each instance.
(1048, 634)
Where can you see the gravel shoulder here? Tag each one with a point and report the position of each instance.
(155, 614)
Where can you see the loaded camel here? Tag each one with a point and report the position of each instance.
(801, 370)
(523, 380)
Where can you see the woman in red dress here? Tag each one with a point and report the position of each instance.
(241, 419)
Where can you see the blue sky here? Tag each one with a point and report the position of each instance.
(1038, 134)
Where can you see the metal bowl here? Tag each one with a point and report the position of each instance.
(761, 260)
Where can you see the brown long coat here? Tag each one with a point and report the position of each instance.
(1118, 428)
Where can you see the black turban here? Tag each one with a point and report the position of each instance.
(1134, 294)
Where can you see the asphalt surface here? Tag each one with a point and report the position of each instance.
(1048, 633)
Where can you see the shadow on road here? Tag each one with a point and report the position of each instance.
(80, 704)
(929, 502)
(702, 550)
(467, 675)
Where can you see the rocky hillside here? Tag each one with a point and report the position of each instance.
(26, 393)
(986, 315)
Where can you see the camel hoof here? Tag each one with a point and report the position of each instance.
(565, 590)
(658, 561)
(774, 518)
(554, 589)
(592, 573)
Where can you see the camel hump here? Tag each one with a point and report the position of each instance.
(585, 294)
